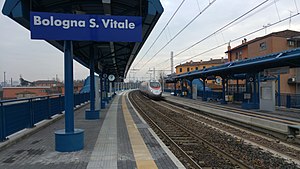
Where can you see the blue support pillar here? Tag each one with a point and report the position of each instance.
(175, 93)
(106, 90)
(181, 85)
(92, 113)
(278, 91)
(258, 91)
(114, 87)
(237, 87)
(204, 98)
(69, 139)
(254, 90)
(103, 102)
(109, 85)
(223, 93)
(191, 86)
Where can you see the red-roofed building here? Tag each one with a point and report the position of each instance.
(268, 44)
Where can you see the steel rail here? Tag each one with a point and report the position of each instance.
(211, 146)
(171, 141)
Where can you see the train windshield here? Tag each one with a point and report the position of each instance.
(154, 84)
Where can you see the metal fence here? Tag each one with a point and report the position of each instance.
(288, 100)
(16, 115)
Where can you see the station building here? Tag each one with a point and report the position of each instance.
(268, 44)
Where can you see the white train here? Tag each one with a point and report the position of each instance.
(151, 89)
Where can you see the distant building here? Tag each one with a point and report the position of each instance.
(24, 92)
(1, 93)
(192, 66)
(271, 43)
(50, 83)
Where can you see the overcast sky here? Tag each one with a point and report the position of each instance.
(36, 59)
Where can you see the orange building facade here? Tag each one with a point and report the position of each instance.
(271, 43)
(24, 92)
(192, 66)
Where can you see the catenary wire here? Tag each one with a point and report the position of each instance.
(160, 32)
(179, 32)
(238, 38)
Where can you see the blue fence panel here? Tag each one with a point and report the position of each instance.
(55, 106)
(289, 100)
(168, 90)
(62, 103)
(40, 110)
(238, 96)
(17, 117)
(76, 99)
(295, 101)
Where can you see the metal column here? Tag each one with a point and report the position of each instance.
(223, 93)
(103, 102)
(92, 113)
(69, 139)
(204, 97)
(278, 91)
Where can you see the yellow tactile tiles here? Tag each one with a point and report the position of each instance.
(141, 153)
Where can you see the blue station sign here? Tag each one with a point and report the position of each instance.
(58, 26)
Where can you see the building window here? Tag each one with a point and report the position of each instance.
(263, 46)
(291, 43)
(203, 67)
(180, 69)
(191, 69)
(196, 68)
(188, 69)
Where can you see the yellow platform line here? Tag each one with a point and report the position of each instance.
(141, 153)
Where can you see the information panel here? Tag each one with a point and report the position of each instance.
(58, 26)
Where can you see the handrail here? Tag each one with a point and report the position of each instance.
(32, 98)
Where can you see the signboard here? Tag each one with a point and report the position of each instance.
(58, 26)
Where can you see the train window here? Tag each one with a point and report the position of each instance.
(154, 84)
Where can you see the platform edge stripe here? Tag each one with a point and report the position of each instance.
(141, 153)
(164, 147)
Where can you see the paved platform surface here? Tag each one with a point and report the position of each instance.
(119, 139)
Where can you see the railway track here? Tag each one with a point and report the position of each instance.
(206, 146)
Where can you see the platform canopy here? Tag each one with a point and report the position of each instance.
(290, 58)
(111, 57)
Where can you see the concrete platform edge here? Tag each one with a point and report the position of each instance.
(30, 131)
(164, 147)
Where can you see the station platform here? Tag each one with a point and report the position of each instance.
(119, 139)
(280, 111)
(288, 124)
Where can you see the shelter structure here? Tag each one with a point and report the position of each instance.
(103, 58)
(253, 70)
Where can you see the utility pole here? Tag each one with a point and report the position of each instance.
(154, 74)
(172, 62)
(4, 80)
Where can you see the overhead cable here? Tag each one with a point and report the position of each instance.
(241, 37)
(220, 29)
(180, 31)
(161, 32)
